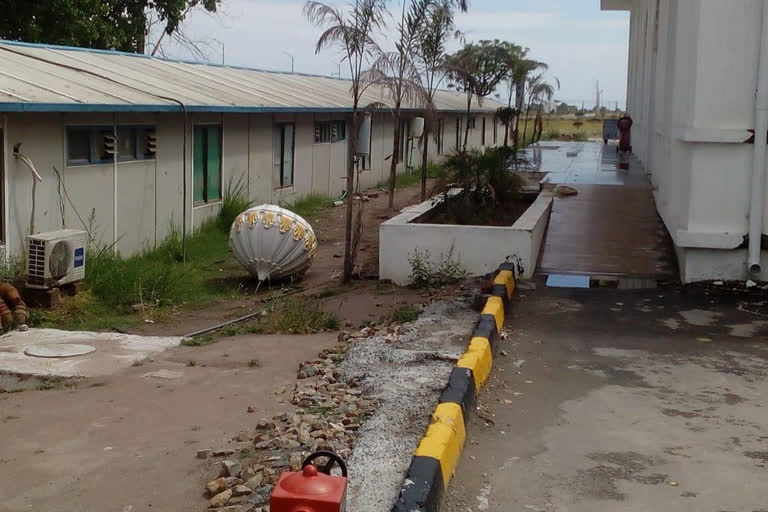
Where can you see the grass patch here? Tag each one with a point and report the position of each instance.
(97, 385)
(329, 292)
(434, 171)
(254, 363)
(122, 291)
(199, 341)
(310, 205)
(295, 315)
(405, 314)
(192, 363)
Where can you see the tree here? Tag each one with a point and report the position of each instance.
(430, 55)
(538, 90)
(103, 24)
(520, 68)
(514, 55)
(351, 34)
(477, 68)
(397, 72)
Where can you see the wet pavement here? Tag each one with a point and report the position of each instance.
(605, 400)
(611, 226)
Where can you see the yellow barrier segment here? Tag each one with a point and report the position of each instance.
(479, 359)
(495, 307)
(444, 439)
(507, 278)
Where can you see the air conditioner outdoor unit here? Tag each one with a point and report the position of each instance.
(56, 258)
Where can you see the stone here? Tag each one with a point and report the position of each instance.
(214, 487)
(221, 498)
(255, 482)
(251, 409)
(231, 467)
(204, 454)
(223, 453)
(232, 481)
(241, 490)
(263, 445)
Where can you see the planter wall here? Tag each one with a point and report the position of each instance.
(479, 248)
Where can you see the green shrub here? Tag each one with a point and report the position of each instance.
(551, 134)
(580, 136)
(578, 123)
(426, 274)
(405, 314)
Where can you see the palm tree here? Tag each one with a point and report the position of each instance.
(430, 57)
(397, 72)
(351, 33)
(538, 90)
(521, 68)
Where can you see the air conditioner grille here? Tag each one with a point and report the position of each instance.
(60, 259)
(36, 260)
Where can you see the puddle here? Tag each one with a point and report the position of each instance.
(700, 317)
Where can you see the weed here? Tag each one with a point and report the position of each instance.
(551, 134)
(434, 171)
(228, 332)
(578, 123)
(329, 292)
(10, 417)
(254, 363)
(310, 205)
(296, 315)
(97, 384)
(233, 202)
(199, 341)
(13, 269)
(580, 136)
(319, 409)
(425, 273)
(192, 363)
(405, 314)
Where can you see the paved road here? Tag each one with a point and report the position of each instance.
(613, 400)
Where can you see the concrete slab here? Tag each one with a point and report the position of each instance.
(111, 352)
(614, 409)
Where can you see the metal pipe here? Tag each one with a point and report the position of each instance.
(757, 201)
(114, 184)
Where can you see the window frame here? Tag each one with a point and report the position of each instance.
(95, 132)
(328, 127)
(482, 135)
(206, 199)
(281, 128)
(365, 164)
(440, 135)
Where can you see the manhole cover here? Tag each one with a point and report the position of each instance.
(59, 350)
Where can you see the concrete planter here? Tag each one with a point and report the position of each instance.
(478, 248)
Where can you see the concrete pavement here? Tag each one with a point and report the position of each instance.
(622, 400)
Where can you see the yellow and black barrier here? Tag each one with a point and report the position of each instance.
(435, 460)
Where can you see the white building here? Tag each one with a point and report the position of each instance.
(693, 78)
(185, 131)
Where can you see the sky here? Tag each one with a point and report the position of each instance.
(581, 44)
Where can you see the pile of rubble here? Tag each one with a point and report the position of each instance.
(330, 411)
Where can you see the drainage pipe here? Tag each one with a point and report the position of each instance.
(757, 201)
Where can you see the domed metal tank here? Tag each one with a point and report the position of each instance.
(272, 242)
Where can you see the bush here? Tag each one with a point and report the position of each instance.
(426, 274)
(551, 134)
(580, 136)
(486, 183)
(297, 315)
(578, 123)
(405, 314)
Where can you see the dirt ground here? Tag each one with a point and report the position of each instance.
(128, 441)
(623, 400)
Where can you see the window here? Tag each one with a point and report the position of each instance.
(458, 133)
(330, 131)
(365, 160)
(207, 165)
(495, 134)
(482, 135)
(472, 121)
(402, 154)
(440, 135)
(283, 154)
(97, 145)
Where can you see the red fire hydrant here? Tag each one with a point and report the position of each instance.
(625, 140)
(312, 489)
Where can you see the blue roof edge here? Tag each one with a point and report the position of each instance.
(106, 107)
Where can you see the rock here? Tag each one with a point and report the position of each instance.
(214, 487)
(204, 454)
(251, 409)
(231, 467)
(221, 498)
(255, 482)
(232, 481)
(223, 453)
(286, 417)
(265, 425)
(564, 191)
(751, 284)
(263, 445)
(261, 495)
(241, 490)
(718, 283)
